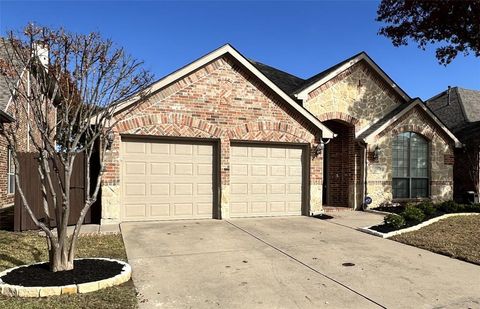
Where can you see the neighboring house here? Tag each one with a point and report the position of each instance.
(7, 168)
(228, 137)
(459, 109)
(8, 114)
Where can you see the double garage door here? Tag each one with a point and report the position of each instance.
(165, 180)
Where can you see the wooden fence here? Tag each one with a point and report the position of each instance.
(30, 181)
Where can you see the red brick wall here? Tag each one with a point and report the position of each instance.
(220, 100)
(24, 145)
(341, 164)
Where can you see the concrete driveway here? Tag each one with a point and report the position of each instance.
(290, 263)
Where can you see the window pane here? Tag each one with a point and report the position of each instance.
(11, 183)
(400, 188)
(418, 156)
(11, 165)
(419, 187)
(400, 155)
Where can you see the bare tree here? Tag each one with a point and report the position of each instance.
(68, 88)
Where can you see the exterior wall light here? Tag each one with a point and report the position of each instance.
(317, 149)
(109, 140)
(376, 153)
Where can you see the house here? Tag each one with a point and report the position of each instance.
(7, 169)
(8, 114)
(459, 109)
(227, 137)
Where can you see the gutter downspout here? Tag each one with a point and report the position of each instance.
(364, 173)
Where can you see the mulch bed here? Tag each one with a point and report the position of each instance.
(391, 209)
(87, 270)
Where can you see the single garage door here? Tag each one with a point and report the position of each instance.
(166, 180)
(265, 181)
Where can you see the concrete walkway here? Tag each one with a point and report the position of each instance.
(295, 262)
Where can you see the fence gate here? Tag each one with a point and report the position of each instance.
(30, 181)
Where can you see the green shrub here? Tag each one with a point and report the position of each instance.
(413, 215)
(395, 221)
(427, 208)
(451, 207)
(472, 208)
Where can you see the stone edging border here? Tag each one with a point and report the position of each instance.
(415, 227)
(39, 291)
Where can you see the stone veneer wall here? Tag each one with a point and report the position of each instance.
(358, 95)
(220, 100)
(379, 173)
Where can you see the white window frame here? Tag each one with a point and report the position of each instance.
(10, 173)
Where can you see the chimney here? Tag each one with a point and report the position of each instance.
(41, 51)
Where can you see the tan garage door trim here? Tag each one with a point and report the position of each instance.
(306, 150)
(214, 142)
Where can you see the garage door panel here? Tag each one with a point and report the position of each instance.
(258, 170)
(239, 169)
(162, 189)
(265, 180)
(278, 207)
(135, 210)
(183, 209)
(183, 169)
(135, 148)
(159, 148)
(159, 168)
(166, 180)
(135, 189)
(278, 188)
(160, 210)
(135, 168)
(238, 208)
(258, 207)
(204, 169)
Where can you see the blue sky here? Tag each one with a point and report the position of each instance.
(302, 38)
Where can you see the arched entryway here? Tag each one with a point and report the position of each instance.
(339, 165)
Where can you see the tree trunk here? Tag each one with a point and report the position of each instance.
(59, 260)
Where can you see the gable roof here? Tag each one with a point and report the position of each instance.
(317, 77)
(470, 101)
(4, 90)
(323, 77)
(223, 50)
(398, 112)
(285, 81)
(456, 107)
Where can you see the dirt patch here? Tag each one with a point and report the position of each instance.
(456, 237)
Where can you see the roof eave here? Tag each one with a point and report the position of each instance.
(6, 118)
(303, 93)
(416, 102)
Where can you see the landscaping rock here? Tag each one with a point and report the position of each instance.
(28, 291)
(87, 287)
(69, 289)
(8, 290)
(106, 283)
(50, 291)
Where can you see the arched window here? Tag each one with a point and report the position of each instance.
(410, 166)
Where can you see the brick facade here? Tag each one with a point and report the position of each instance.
(220, 101)
(7, 199)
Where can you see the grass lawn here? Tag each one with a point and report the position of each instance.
(456, 237)
(24, 248)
